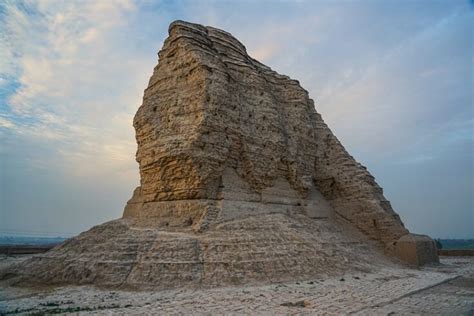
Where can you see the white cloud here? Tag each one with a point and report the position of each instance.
(78, 88)
(6, 123)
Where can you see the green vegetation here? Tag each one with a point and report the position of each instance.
(456, 243)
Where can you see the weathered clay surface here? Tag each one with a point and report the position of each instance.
(241, 181)
(260, 249)
(387, 291)
(216, 125)
(416, 250)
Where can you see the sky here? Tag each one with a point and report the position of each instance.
(392, 79)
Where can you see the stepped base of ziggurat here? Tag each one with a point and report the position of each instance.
(241, 182)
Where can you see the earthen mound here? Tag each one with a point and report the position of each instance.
(241, 182)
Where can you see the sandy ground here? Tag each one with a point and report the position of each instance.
(446, 289)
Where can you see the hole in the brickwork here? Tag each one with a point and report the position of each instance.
(155, 108)
(374, 222)
(250, 115)
(264, 118)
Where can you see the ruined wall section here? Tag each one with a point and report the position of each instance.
(171, 124)
(352, 190)
(209, 107)
(266, 117)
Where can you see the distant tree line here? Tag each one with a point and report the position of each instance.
(454, 243)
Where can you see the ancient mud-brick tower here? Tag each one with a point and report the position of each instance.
(241, 181)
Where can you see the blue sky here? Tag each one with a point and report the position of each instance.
(393, 80)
